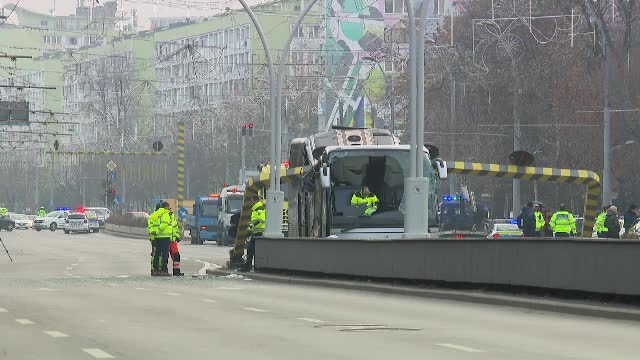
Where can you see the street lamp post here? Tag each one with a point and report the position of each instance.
(416, 186)
(275, 197)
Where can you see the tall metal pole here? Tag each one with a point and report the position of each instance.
(452, 124)
(606, 173)
(420, 92)
(516, 133)
(412, 92)
(416, 186)
(273, 226)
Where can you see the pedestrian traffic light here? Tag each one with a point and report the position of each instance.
(244, 129)
(250, 129)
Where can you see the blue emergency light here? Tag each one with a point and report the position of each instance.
(514, 222)
(450, 198)
(62, 209)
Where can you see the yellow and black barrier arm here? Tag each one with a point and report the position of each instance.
(252, 188)
(562, 176)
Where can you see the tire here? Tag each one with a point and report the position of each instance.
(9, 228)
(96, 230)
(66, 232)
(53, 226)
(38, 229)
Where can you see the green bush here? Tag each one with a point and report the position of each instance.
(127, 220)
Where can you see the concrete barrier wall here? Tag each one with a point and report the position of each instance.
(602, 266)
(127, 230)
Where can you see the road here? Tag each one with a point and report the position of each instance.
(91, 297)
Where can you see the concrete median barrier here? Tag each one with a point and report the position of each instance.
(584, 265)
(127, 231)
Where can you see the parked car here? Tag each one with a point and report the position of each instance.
(7, 223)
(505, 231)
(77, 222)
(94, 225)
(22, 221)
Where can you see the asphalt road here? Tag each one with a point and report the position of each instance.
(91, 297)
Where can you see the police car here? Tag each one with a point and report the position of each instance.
(52, 221)
(505, 230)
(76, 222)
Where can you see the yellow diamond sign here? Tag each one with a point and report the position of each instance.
(111, 165)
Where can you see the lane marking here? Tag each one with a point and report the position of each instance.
(69, 268)
(229, 288)
(98, 354)
(254, 309)
(207, 266)
(74, 264)
(47, 289)
(24, 321)
(3, 310)
(311, 320)
(122, 276)
(209, 300)
(113, 284)
(56, 334)
(141, 289)
(461, 348)
(173, 294)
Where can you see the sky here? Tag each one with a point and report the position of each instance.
(146, 8)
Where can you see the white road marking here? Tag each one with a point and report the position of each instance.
(317, 321)
(3, 310)
(254, 309)
(173, 294)
(461, 348)
(74, 264)
(24, 321)
(141, 289)
(98, 354)
(122, 276)
(209, 300)
(113, 284)
(229, 288)
(56, 334)
(207, 266)
(47, 289)
(69, 268)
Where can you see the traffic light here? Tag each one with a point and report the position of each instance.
(244, 129)
(250, 129)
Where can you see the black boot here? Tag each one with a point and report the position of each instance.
(176, 272)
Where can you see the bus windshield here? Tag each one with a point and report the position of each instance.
(235, 205)
(383, 171)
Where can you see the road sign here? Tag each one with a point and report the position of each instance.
(116, 200)
(111, 165)
(113, 175)
(182, 213)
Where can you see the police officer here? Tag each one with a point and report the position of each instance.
(3, 211)
(539, 219)
(256, 227)
(151, 229)
(601, 229)
(42, 212)
(364, 197)
(163, 232)
(563, 223)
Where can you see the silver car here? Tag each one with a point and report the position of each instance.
(76, 222)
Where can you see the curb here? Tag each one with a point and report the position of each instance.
(558, 306)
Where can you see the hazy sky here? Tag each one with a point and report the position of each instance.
(146, 8)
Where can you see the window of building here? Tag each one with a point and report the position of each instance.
(73, 41)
